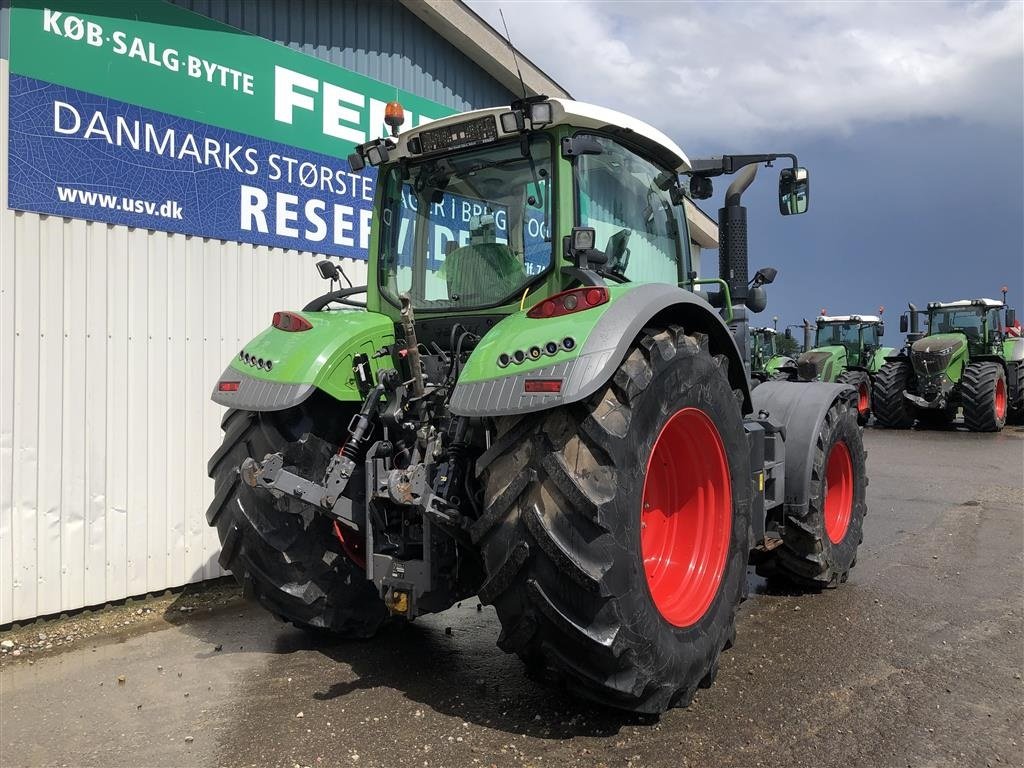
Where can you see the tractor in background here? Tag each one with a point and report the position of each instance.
(971, 356)
(766, 356)
(847, 350)
(531, 402)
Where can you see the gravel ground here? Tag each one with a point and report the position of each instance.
(917, 661)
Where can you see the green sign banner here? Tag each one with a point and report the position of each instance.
(160, 56)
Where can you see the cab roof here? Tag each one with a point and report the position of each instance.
(964, 303)
(849, 319)
(578, 114)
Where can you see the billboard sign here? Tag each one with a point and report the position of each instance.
(148, 115)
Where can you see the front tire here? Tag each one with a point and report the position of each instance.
(890, 407)
(984, 395)
(292, 564)
(579, 539)
(860, 381)
(819, 542)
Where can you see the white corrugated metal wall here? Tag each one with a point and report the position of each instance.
(110, 342)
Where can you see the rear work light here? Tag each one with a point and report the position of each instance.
(291, 322)
(227, 386)
(567, 302)
(548, 386)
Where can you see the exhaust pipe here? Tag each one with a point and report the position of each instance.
(914, 321)
(732, 234)
(808, 339)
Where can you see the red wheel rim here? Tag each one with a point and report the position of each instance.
(862, 399)
(1000, 399)
(686, 517)
(838, 492)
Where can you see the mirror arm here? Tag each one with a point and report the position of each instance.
(583, 275)
(728, 164)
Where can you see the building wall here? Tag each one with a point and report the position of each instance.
(111, 339)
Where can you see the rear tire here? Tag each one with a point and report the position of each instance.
(819, 544)
(292, 564)
(860, 381)
(890, 407)
(575, 565)
(984, 395)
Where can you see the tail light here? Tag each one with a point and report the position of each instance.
(291, 322)
(567, 302)
(547, 386)
(227, 386)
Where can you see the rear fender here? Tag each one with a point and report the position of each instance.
(301, 362)
(799, 407)
(603, 336)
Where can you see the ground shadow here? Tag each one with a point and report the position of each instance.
(448, 663)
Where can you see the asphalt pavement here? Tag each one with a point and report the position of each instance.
(916, 661)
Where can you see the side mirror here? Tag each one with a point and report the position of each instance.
(789, 333)
(764, 276)
(904, 325)
(881, 330)
(1011, 318)
(794, 191)
(328, 270)
(757, 299)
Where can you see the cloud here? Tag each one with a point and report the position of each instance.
(724, 72)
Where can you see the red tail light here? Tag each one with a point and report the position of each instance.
(542, 385)
(227, 386)
(291, 322)
(567, 302)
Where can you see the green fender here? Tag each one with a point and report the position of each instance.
(301, 362)
(598, 340)
(777, 362)
(879, 357)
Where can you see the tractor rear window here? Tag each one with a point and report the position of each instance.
(467, 230)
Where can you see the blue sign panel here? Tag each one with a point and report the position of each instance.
(75, 154)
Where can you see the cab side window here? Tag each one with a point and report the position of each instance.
(634, 220)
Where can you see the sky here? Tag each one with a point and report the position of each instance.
(909, 117)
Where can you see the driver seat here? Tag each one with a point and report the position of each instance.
(488, 271)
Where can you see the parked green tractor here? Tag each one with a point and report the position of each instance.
(848, 350)
(533, 405)
(969, 358)
(766, 356)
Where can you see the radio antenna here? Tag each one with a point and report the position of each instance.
(508, 39)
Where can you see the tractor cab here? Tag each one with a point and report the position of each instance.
(842, 342)
(978, 321)
(859, 335)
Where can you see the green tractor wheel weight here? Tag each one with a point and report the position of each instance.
(970, 358)
(507, 408)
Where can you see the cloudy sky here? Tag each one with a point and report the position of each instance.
(910, 117)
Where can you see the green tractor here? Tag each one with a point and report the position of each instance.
(767, 360)
(971, 357)
(533, 405)
(848, 350)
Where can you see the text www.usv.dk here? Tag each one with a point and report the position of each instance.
(167, 210)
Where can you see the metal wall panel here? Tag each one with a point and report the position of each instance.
(110, 342)
(111, 339)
